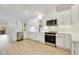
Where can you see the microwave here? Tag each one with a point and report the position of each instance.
(52, 22)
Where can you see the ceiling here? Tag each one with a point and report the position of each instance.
(17, 11)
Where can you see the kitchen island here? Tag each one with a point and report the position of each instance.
(4, 44)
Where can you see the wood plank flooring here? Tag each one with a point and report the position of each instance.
(28, 47)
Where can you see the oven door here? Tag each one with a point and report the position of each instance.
(50, 38)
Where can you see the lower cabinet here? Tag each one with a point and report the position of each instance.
(40, 37)
(27, 35)
(36, 36)
(76, 47)
(67, 41)
(33, 36)
(59, 40)
(63, 40)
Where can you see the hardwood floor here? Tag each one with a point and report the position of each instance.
(28, 47)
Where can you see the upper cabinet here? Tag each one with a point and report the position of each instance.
(60, 18)
(75, 14)
(33, 25)
(64, 17)
(67, 17)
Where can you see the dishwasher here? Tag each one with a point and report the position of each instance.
(20, 36)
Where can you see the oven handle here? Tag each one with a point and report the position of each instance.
(50, 34)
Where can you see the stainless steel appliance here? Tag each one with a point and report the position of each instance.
(20, 36)
(2, 32)
(50, 37)
(52, 22)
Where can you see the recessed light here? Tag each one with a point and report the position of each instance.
(26, 12)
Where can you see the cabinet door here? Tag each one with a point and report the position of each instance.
(33, 35)
(40, 37)
(30, 35)
(26, 35)
(63, 41)
(77, 48)
(67, 41)
(75, 15)
(67, 17)
(64, 17)
(60, 18)
(59, 40)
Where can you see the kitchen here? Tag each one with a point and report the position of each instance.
(57, 27)
(64, 29)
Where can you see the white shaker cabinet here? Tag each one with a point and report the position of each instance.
(67, 17)
(4, 44)
(33, 35)
(75, 14)
(36, 36)
(63, 40)
(60, 18)
(76, 52)
(40, 36)
(64, 17)
(29, 35)
(67, 41)
(26, 35)
(59, 40)
(75, 43)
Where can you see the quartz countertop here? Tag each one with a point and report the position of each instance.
(72, 30)
(75, 37)
(4, 41)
